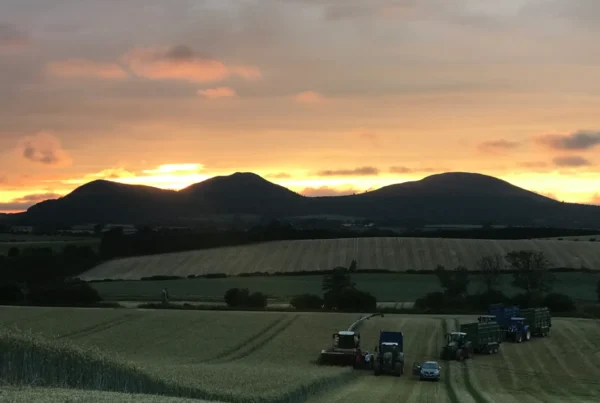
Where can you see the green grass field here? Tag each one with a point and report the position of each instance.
(268, 357)
(8, 241)
(386, 287)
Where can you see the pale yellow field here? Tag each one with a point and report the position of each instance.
(397, 254)
(267, 356)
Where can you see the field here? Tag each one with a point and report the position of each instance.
(396, 254)
(8, 241)
(268, 357)
(385, 287)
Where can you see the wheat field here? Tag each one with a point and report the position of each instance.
(396, 254)
(269, 357)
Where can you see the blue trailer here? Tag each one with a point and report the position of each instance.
(389, 355)
(511, 322)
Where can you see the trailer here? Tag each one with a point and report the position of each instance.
(539, 320)
(485, 337)
(513, 324)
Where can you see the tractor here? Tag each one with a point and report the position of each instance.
(389, 354)
(457, 347)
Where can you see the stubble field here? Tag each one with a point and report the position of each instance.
(268, 357)
(395, 254)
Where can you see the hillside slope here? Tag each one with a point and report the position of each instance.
(449, 198)
(397, 254)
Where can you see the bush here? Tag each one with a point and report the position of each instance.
(307, 301)
(431, 301)
(559, 302)
(64, 294)
(356, 301)
(237, 297)
(256, 300)
(161, 278)
(11, 294)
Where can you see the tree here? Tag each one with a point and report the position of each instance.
(353, 266)
(337, 281)
(598, 290)
(491, 267)
(532, 273)
(454, 282)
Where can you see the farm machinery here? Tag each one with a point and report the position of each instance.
(389, 354)
(513, 325)
(482, 337)
(346, 348)
(539, 320)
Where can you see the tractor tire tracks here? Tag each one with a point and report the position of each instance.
(98, 327)
(477, 396)
(448, 372)
(255, 344)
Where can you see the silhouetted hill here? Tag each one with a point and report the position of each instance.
(449, 198)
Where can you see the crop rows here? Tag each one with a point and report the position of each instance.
(396, 254)
(269, 357)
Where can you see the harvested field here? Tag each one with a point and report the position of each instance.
(267, 357)
(385, 287)
(57, 243)
(396, 254)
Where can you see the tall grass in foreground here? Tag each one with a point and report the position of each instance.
(29, 359)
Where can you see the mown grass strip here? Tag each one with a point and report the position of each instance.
(448, 373)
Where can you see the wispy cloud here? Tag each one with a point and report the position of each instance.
(181, 63)
(361, 171)
(215, 93)
(309, 97)
(12, 38)
(400, 170)
(496, 146)
(73, 68)
(581, 140)
(573, 161)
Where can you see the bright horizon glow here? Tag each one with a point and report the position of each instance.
(180, 176)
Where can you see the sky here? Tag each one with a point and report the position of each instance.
(324, 97)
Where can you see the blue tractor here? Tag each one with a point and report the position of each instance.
(513, 325)
(389, 354)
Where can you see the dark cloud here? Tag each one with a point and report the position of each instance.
(400, 170)
(46, 149)
(580, 140)
(180, 52)
(571, 161)
(23, 203)
(10, 35)
(362, 171)
(534, 164)
(498, 145)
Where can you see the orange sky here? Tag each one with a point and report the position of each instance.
(323, 97)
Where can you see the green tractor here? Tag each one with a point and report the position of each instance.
(457, 347)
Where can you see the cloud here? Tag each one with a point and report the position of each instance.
(44, 148)
(281, 175)
(328, 191)
(220, 92)
(12, 39)
(23, 203)
(580, 140)
(309, 97)
(571, 161)
(74, 68)
(362, 171)
(498, 146)
(181, 63)
(400, 170)
(533, 164)
(366, 135)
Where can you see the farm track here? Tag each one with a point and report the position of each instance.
(99, 327)
(395, 254)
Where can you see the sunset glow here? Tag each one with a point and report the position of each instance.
(324, 98)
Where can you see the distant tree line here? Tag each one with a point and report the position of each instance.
(43, 276)
(531, 274)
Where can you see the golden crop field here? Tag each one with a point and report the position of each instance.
(397, 254)
(269, 357)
